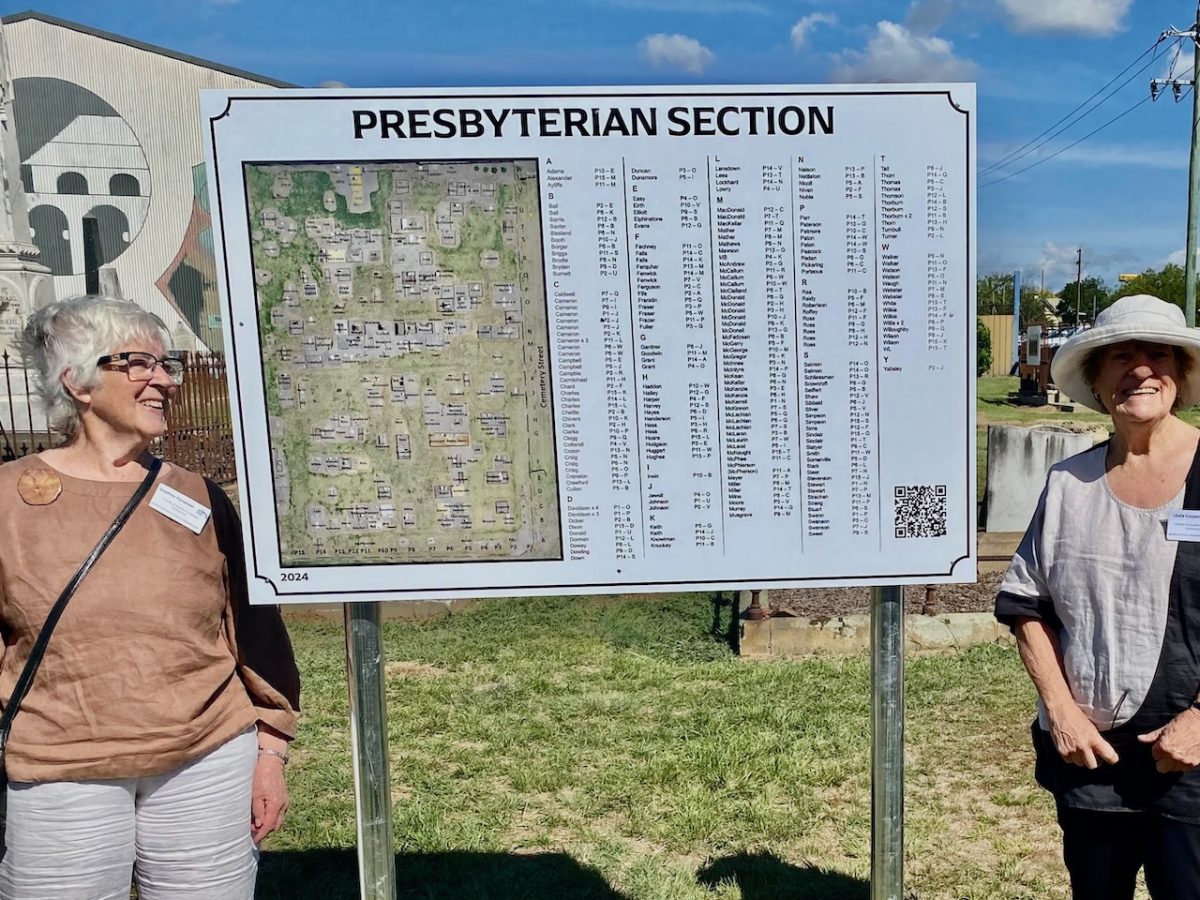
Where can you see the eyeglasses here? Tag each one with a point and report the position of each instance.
(140, 366)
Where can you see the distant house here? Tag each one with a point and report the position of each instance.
(108, 130)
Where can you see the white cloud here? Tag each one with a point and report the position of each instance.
(802, 29)
(1092, 18)
(1057, 265)
(695, 7)
(1176, 258)
(896, 54)
(927, 16)
(1118, 155)
(1087, 154)
(677, 50)
(333, 84)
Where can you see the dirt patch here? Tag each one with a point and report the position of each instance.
(945, 598)
(407, 669)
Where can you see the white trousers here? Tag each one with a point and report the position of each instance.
(184, 834)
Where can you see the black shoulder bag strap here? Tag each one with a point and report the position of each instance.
(56, 611)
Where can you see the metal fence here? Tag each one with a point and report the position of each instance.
(199, 430)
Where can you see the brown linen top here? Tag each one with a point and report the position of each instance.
(148, 667)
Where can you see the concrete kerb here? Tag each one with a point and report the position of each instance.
(781, 636)
(777, 637)
(789, 637)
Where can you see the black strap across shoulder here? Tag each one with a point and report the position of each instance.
(43, 638)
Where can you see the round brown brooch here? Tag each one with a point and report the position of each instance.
(39, 487)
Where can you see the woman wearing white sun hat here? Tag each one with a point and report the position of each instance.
(1103, 595)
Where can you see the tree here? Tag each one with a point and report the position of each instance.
(1038, 307)
(1086, 294)
(993, 294)
(983, 348)
(1167, 284)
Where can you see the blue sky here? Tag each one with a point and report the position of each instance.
(1121, 194)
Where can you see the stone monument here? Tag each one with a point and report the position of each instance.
(25, 284)
(1018, 458)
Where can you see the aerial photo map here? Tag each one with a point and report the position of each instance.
(405, 346)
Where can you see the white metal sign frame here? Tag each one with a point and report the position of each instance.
(814, 429)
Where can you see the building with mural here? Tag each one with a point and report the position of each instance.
(108, 131)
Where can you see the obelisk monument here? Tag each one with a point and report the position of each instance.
(25, 284)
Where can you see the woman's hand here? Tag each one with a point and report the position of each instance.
(1177, 744)
(269, 796)
(1076, 738)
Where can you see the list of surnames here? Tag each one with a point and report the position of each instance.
(735, 325)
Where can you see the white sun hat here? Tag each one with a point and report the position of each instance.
(1139, 317)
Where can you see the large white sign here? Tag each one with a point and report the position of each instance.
(527, 341)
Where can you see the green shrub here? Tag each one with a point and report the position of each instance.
(983, 348)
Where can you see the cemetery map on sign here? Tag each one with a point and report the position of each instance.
(404, 335)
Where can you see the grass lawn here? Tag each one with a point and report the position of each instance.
(615, 748)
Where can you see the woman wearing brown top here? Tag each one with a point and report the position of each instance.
(155, 735)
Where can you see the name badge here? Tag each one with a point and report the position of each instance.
(180, 508)
(1183, 525)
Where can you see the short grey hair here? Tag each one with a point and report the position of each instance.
(68, 336)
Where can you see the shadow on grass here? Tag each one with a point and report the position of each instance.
(1000, 401)
(454, 875)
(727, 634)
(761, 876)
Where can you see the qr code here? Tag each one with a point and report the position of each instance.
(920, 510)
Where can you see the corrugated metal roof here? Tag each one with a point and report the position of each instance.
(97, 130)
(140, 45)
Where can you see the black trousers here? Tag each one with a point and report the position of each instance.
(1104, 850)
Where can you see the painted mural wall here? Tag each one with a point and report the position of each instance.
(110, 145)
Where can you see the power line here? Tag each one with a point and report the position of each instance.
(1175, 59)
(1068, 146)
(1022, 152)
(1012, 153)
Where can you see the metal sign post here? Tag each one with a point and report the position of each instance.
(369, 749)
(887, 743)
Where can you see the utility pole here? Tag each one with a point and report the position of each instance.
(1016, 314)
(1189, 269)
(1078, 285)
(1189, 265)
(1014, 357)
